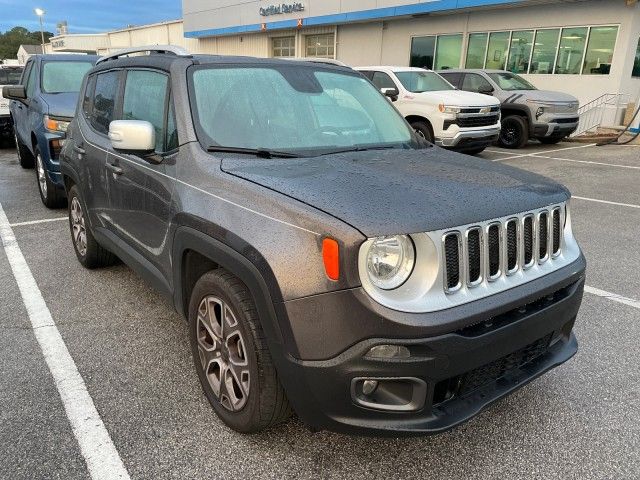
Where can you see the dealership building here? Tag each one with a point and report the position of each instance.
(588, 48)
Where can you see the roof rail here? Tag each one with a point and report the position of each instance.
(329, 61)
(171, 49)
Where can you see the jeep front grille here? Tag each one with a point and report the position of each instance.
(488, 251)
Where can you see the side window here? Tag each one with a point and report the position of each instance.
(382, 80)
(25, 74)
(30, 86)
(88, 95)
(145, 98)
(472, 82)
(452, 78)
(104, 100)
(172, 129)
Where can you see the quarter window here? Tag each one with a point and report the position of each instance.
(599, 54)
(477, 50)
(520, 51)
(448, 50)
(88, 95)
(284, 46)
(104, 101)
(497, 50)
(145, 98)
(319, 46)
(571, 49)
(544, 51)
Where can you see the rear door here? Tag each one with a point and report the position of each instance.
(141, 186)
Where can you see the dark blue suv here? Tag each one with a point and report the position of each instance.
(42, 106)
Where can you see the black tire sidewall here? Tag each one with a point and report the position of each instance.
(89, 260)
(522, 135)
(426, 130)
(213, 283)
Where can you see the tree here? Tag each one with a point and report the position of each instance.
(11, 40)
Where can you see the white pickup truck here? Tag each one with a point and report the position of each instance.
(464, 121)
(9, 75)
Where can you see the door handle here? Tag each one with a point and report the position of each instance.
(115, 169)
(78, 149)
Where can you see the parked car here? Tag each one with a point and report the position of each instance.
(526, 111)
(9, 75)
(326, 257)
(42, 106)
(462, 121)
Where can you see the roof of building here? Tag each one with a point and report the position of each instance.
(32, 48)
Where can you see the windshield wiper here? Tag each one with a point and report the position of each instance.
(362, 149)
(258, 152)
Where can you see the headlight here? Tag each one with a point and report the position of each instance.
(390, 261)
(539, 112)
(55, 125)
(448, 109)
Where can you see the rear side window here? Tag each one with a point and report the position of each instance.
(104, 101)
(88, 95)
(452, 78)
(145, 98)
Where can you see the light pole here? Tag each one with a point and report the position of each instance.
(40, 13)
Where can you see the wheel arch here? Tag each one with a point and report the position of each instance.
(520, 111)
(418, 118)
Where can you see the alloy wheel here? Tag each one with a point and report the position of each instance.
(509, 135)
(42, 176)
(420, 133)
(78, 229)
(222, 352)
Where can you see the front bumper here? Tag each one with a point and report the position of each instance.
(456, 371)
(556, 127)
(470, 138)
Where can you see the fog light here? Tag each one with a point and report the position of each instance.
(369, 386)
(388, 351)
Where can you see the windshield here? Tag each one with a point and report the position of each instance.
(418, 82)
(59, 77)
(10, 76)
(511, 81)
(293, 109)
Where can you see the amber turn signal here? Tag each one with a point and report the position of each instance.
(331, 258)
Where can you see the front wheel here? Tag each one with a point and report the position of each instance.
(514, 132)
(24, 155)
(424, 130)
(231, 356)
(49, 193)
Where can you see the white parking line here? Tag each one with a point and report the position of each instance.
(35, 222)
(96, 446)
(535, 154)
(606, 201)
(590, 162)
(612, 296)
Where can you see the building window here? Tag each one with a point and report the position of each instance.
(422, 50)
(599, 54)
(497, 50)
(283, 46)
(320, 46)
(520, 51)
(636, 64)
(448, 50)
(477, 50)
(571, 50)
(544, 51)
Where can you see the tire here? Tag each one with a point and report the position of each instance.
(514, 132)
(251, 399)
(473, 151)
(551, 140)
(89, 252)
(25, 158)
(50, 194)
(424, 130)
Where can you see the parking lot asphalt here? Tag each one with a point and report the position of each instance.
(582, 420)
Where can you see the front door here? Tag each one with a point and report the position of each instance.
(141, 186)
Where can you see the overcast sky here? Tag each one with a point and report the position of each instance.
(85, 16)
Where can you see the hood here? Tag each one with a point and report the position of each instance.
(61, 104)
(458, 98)
(543, 96)
(386, 192)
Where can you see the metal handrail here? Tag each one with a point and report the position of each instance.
(591, 113)
(170, 49)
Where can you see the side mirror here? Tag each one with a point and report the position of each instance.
(486, 90)
(392, 93)
(134, 136)
(14, 92)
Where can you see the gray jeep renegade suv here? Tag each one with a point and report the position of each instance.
(328, 261)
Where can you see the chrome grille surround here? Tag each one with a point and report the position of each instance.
(426, 289)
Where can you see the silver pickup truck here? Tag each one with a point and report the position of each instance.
(9, 75)
(526, 111)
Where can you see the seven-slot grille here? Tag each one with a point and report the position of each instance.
(486, 252)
